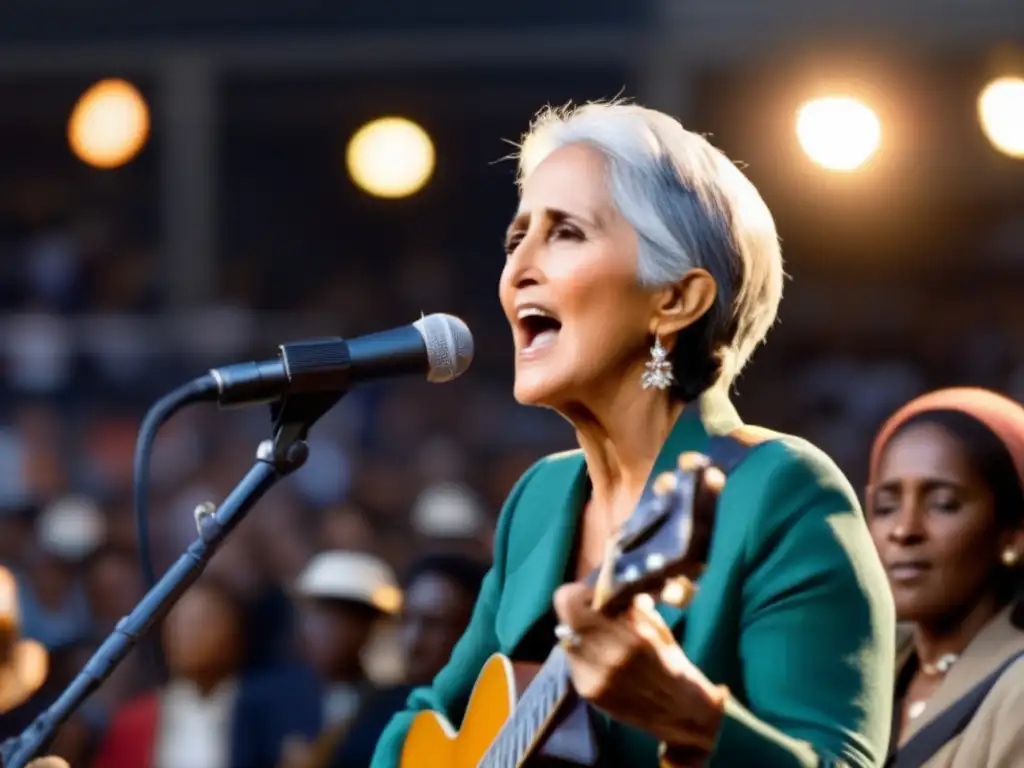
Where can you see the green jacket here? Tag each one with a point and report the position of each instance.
(793, 611)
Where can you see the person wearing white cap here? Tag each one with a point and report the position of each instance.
(341, 596)
(55, 608)
(440, 590)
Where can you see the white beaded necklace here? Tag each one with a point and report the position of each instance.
(938, 669)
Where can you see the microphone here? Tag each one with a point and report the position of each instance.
(439, 346)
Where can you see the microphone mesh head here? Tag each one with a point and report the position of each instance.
(449, 346)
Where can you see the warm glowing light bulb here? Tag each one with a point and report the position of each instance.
(391, 157)
(109, 125)
(838, 133)
(1001, 113)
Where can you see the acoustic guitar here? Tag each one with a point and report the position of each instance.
(519, 714)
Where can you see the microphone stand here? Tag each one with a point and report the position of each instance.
(276, 458)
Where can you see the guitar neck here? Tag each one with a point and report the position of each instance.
(541, 703)
(536, 710)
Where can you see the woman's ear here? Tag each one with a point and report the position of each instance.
(683, 303)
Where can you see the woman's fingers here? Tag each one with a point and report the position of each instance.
(48, 762)
(572, 606)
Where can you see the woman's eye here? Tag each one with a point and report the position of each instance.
(512, 242)
(883, 507)
(946, 503)
(567, 233)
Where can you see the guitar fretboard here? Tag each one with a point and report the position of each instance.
(539, 703)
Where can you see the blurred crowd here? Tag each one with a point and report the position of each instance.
(349, 582)
(299, 623)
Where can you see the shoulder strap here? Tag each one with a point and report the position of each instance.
(923, 745)
(727, 453)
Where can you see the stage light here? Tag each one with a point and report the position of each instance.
(109, 124)
(838, 133)
(1001, 113)
(390, 157)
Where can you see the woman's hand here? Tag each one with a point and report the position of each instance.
(48, 762)
(632, 668)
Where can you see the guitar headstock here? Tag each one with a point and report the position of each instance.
(665, 543)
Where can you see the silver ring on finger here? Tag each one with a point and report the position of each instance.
(567, 637)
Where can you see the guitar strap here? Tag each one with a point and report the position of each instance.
(923, 745)
(727, 452)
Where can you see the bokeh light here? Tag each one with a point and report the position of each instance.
(390, 157)
(838, 133)
(109, 124)
(1001, 113)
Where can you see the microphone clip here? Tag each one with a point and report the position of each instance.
(293, 415)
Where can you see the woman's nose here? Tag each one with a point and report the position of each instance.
(908, 528)
(524, 265)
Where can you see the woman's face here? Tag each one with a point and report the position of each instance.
(435, 614)
(334, 634)
(202, 634)
(933, 522)
(579, 318)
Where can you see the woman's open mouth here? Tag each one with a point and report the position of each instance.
(537, 327)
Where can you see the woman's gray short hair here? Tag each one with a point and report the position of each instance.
(691, 207)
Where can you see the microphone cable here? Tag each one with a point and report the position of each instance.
(158, 415)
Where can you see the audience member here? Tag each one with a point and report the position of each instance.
(342, 596)
(189, 721)
(440, 592)
(946, 511)
(23, 663)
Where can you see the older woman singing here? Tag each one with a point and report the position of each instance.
(642, 270)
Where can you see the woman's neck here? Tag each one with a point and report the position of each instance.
(621, 438)
(953, 633)
(210, 681)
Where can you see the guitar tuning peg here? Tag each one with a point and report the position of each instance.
(665, 483)
(655, 562)
(632, 573)
(714, 479)
(678, 592)
(692, 461)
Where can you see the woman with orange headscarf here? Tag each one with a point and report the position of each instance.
(946, 511)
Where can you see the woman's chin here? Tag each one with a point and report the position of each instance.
(538, 391)
(528, 396)
(919, 609)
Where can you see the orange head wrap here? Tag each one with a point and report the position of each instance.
(1003, 417)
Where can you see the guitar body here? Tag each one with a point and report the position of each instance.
(432, 741)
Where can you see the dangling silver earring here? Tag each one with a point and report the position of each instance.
(659, 369)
